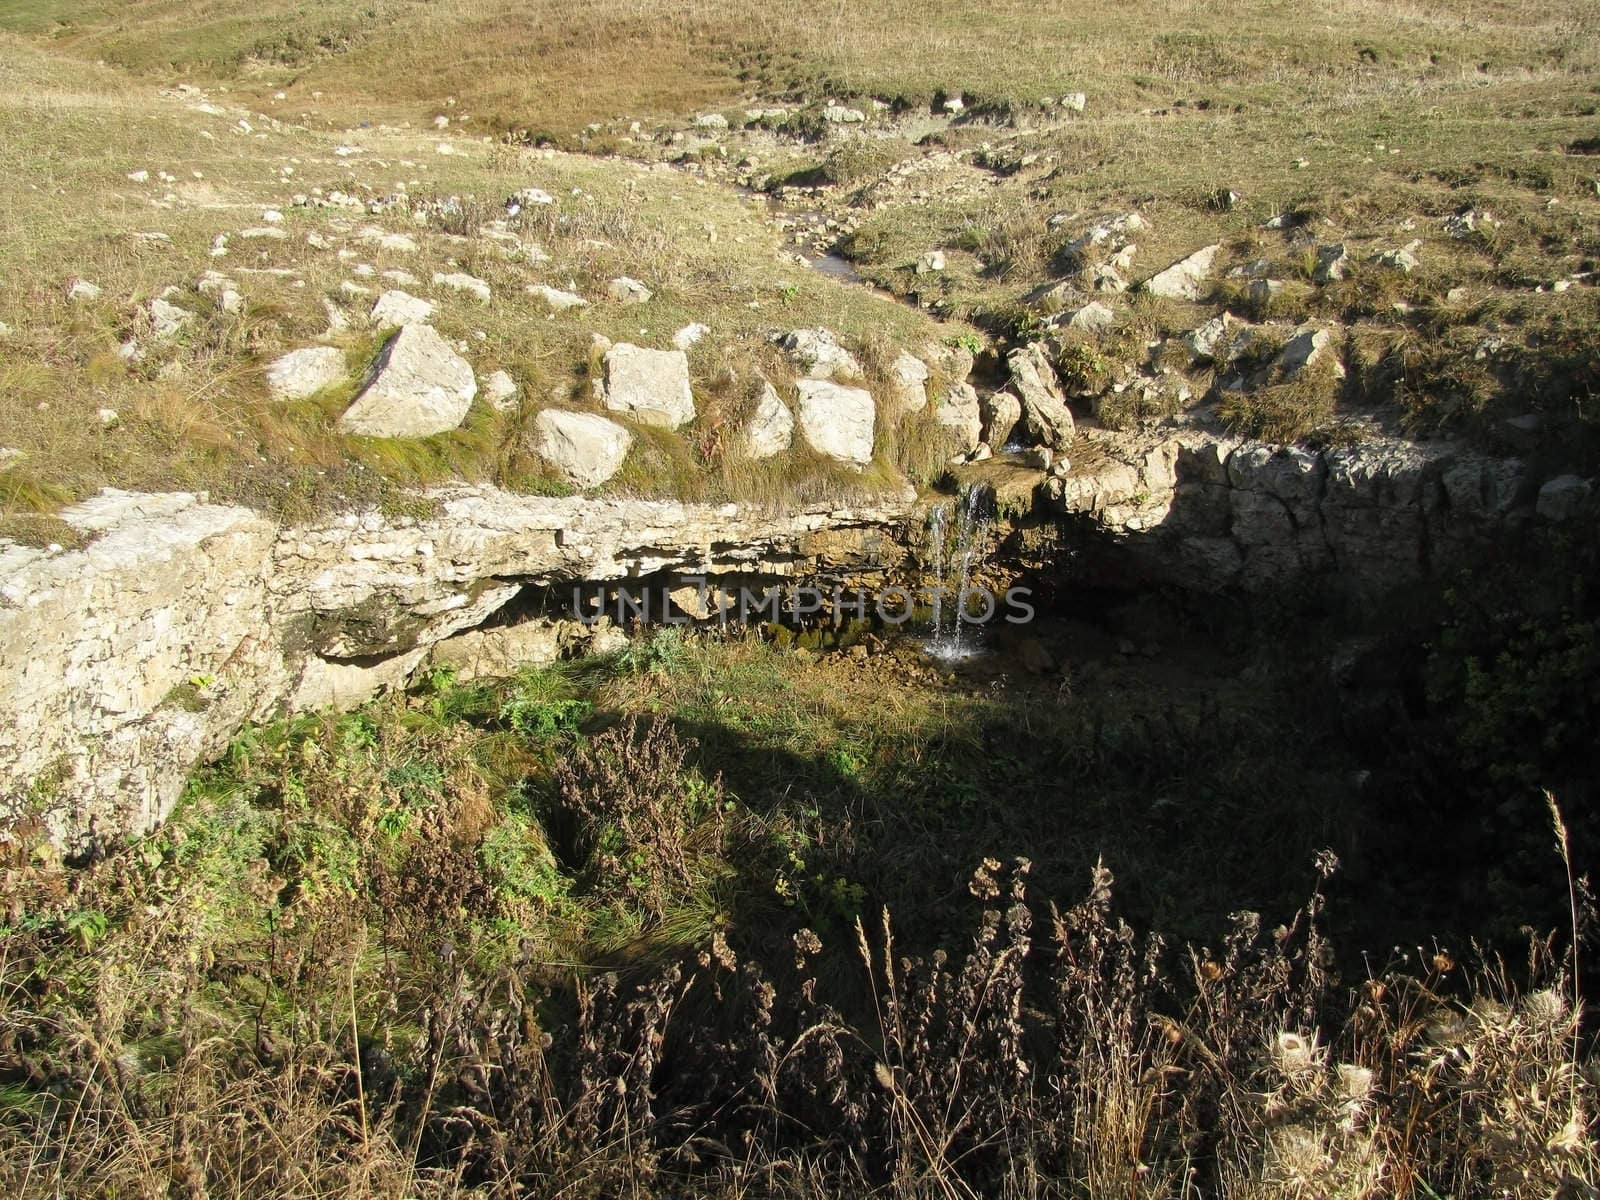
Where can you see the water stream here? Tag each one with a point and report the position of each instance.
(955, 638)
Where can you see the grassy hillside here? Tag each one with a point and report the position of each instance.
(564, 65)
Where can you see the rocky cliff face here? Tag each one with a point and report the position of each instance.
(1213, 513)
(126, 662)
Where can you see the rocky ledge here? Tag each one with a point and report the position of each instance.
(128, 660)
(1212, 513)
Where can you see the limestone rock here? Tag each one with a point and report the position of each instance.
(1184, 279)
(908, 378)
(1045, 416)
(167, 320)
(819, 355)
(1404, 260)
(1209, 343)
(958, 411)
(837, 114)
(301, 374)
(418, 387)
(1093, 317)
(1308, 348)
(397, 308)
(460, 282)
(500, 390)
(690, 335)
(649, 385)
(1333, 263)
(771, 427)
(585, 448)
(628, 291)
(1561, 498)
(1002, 414)
(837, 421)
(555, 297)
(223, 290)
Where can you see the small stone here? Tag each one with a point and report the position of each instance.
(81, 291)
(771, 428)
(1333, 263)
(1403, 260)
(585, 448)
(1183, 280)
(837, 421)
(108, 417)
(500, 390)
(628, 291)
(713, 121)
(818, 353)
(931, 262)
(689, 335)
(301, 374)
(460, 282)
(418, 386)
(555, 297)
(1561, 498)
(651, 386)
(167, 320)
(1075, 101)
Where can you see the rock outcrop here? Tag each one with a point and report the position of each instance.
(1213, 513)
(126, 662)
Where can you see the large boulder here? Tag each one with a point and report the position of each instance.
(819, 355)
(303, 373)
(417, 387)
(585, 448)
(836, 420)
(771, 427)
(1184, 279)
(651, 386)
(1045, 416)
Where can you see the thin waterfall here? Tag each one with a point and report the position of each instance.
(952, 639)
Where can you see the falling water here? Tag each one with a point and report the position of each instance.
(953, 640)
